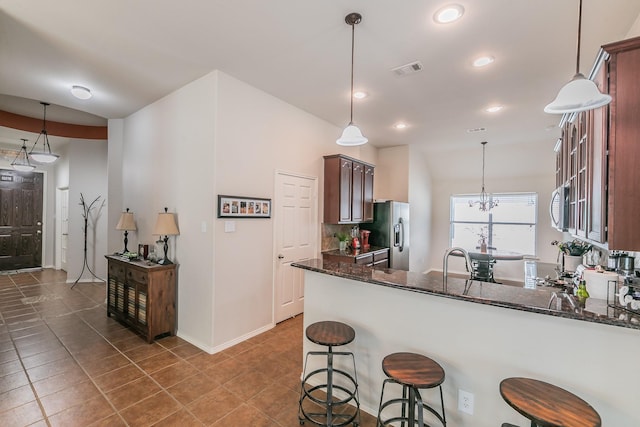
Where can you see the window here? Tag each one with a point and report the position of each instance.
(508, 227)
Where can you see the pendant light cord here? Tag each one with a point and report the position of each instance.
(353, 34)
(484, 144)
(579, 37)
(44, 117)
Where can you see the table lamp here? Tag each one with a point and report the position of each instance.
(126, 223)
(165, 226)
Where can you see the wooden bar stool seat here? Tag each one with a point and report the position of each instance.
(547, 405)
(413, 372)
(334, 410)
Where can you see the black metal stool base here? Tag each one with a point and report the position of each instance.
(335, 411)
(412, 407)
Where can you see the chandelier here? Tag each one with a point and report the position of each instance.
(485, 202)
(44, 156)
(21, 162)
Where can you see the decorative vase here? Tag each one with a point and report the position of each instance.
(571, 262)
(342, 245)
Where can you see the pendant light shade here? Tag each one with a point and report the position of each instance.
(44, 156)
(352, 135)
(21, 163)
(580, 94)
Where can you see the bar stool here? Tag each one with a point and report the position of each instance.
(547, 405)
(335, 411)
(413, 372)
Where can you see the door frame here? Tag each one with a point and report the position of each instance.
(276, 200)
(58, 227)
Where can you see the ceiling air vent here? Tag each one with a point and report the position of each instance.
(407, 69)
(475, 130)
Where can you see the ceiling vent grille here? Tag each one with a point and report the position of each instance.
(405, 70)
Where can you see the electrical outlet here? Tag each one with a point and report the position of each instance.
(465, 402)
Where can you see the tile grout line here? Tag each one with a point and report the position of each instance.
(148, 375)
(24, 369)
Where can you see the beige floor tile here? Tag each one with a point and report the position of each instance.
(214, 405)
(89, 370)
(133, 392)
(192, 388)
(24, 415)
(118, 377)
(150, 410)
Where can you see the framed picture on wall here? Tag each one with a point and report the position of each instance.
(243, 207)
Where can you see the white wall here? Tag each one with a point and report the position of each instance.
(87, 176)
(218, 135)
(392, 174)
(115, 179)
(421, 199)
(167, 161)
(256, 135)
(634, 31)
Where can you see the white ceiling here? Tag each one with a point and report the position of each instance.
(131, 53)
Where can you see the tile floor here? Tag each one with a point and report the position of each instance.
(63, 362)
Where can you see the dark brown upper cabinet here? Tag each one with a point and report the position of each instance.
(348, 190)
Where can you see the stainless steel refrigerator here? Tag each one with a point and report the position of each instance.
(390, 229)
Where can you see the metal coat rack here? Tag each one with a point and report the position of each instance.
(86, 209)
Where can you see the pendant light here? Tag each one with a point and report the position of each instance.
(352, 135)
(485, 202)
(21, 163)
(44, 156)
(580, 94)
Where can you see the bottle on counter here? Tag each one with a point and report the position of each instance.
(582, 292)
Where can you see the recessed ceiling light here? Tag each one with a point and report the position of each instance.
(80, 92)
(494, 109)
(400, 125)
(360, 95)
(483, 60)
(448, 14)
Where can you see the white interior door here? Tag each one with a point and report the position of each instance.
(62, 235)
(296, 235)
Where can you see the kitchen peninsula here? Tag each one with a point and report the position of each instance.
(480, 333)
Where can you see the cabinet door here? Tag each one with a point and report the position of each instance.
(624, 150)
(597, 152)
(346, 175)
(367, 198)
(581, 179)
(357, 194)
(116, 287)
(137, 282)
(572, 179)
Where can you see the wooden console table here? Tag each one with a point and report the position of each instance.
(142, 295)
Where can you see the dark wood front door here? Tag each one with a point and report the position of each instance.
(20, 219)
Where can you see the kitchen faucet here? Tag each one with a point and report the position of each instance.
(445, 263)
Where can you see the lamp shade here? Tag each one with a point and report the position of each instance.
(21, 162)
(43, 156)
(126, 222)
(351, 136)
(580, 94)
(166, 225)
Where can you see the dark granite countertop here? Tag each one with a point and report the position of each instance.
(351, 253)
(500, 295)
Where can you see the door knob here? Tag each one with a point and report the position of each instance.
(38, 223)
(280, 256)
(39, 232)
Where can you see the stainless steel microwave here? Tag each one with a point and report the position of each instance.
(559, 208)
